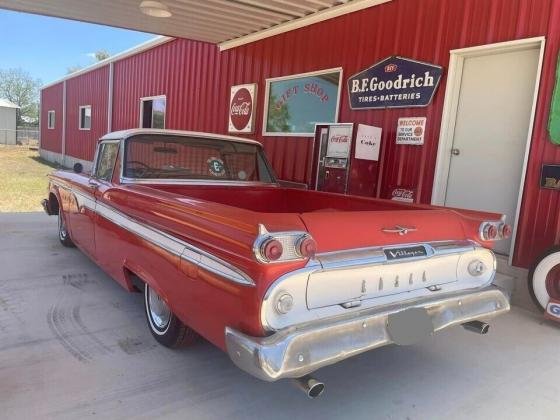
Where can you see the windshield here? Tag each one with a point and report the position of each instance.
(156, 156)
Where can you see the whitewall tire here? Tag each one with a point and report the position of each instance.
(544, 278)
(166, 328)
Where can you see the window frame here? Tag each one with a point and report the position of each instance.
(80, 118)
(49, 113)
(271, 80)
(181, 181)
(141, 117)
(97, 155)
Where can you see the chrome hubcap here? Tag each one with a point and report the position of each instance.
(159, 311)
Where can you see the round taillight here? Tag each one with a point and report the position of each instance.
(307, 247)
(491, 232)
(506, 231)
(272, 249)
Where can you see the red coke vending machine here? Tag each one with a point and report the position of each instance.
(345, 158)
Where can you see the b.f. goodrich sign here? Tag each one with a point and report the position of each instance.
(395, 82)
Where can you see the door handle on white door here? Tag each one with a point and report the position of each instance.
(455, 152)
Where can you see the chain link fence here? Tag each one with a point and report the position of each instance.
(23, 136)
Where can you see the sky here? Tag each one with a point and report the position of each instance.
(45, 47)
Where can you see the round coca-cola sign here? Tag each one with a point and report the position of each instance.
(241, 109)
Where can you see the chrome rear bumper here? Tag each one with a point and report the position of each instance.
(297, 351)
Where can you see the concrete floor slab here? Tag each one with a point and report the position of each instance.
(74, 344)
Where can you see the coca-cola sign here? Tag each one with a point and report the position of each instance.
(241, 108)
(405, 194)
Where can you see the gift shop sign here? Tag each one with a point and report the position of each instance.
(395, 82)
(411, 131)
(242, 108)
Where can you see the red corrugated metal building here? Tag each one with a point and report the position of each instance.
(196, 77)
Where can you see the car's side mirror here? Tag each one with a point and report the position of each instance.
(78, 168)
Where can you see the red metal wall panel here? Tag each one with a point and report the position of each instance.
(51, 99)
(196, 79)
(90, 88)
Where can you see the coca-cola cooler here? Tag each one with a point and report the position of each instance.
(345, 159)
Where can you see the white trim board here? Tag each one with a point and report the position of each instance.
(326, 14)
(449, 115)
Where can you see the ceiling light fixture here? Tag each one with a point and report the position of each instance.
(155, 9)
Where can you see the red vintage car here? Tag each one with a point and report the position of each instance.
(285, 280)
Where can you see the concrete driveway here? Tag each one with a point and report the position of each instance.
(73, 344)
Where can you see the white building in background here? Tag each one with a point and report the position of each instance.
(8, 122)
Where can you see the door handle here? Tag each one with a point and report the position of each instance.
(93, 183)
(455, 152)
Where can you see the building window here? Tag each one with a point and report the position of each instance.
(85, 117)
(50, 120)
(294, 104)
(152, 112)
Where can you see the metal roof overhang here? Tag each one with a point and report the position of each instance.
(228, 23)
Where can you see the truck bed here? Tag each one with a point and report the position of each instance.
(284, 200)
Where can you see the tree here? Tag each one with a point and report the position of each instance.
(17, 86)
(98, 56)
(101, 55)
(278, 120)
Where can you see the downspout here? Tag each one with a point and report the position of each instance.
(110, 100)
(63, 123)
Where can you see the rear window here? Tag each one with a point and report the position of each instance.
(193, 158)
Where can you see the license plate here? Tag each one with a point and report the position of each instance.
(409, 326)
(407, 252)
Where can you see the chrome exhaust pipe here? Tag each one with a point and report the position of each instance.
(477, 327)
(311, 386)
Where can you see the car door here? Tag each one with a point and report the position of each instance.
(83, 226)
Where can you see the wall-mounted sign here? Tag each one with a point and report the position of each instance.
(554, 117)
(340, 139)
(550, 177)
(395, 82)
(411, 130)
(368, 141)
(242, 108)
(404, 194)
(294, 104)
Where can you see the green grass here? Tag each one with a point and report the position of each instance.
(23, 180)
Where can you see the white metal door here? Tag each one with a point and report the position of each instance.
(491, 126)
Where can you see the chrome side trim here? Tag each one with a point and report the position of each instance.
(294, 352)
(163, 240)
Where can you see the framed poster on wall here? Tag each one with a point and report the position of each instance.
(242, 108)
(294, 104)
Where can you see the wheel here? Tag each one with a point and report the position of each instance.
(166, 328)
(544, 278)
(63, 235)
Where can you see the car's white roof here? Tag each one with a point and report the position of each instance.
(123, 134)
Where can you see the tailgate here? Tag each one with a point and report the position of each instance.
(356, 229)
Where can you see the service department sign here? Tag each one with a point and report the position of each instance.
(395, 82)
